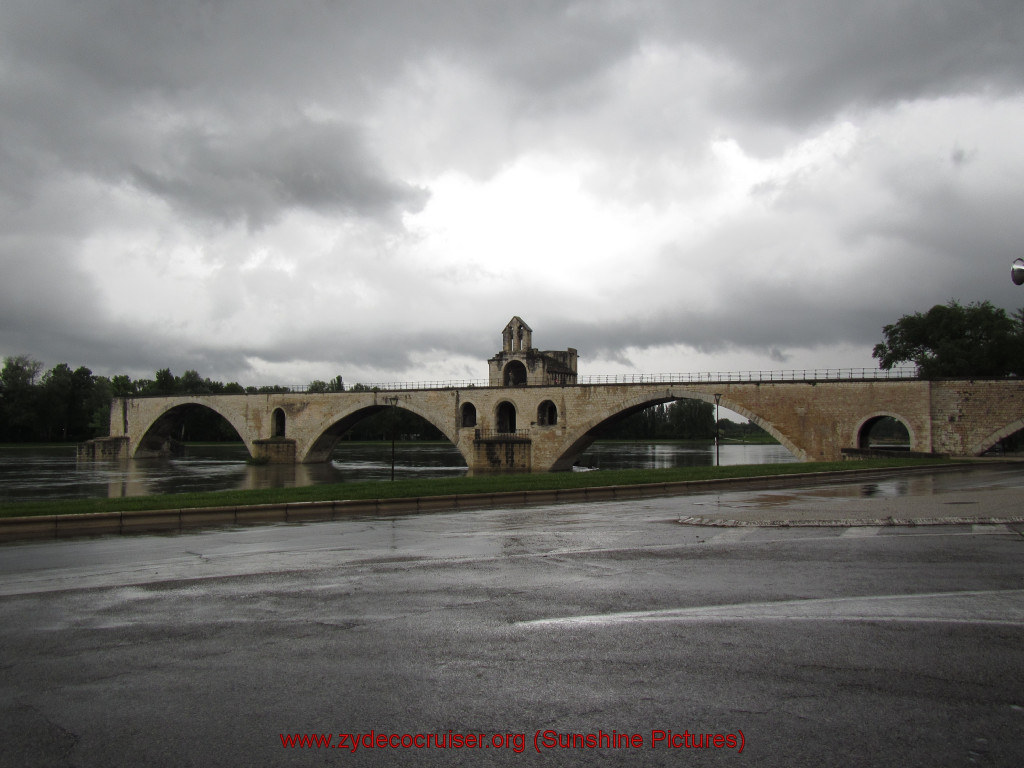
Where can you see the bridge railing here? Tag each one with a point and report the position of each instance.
(816, 374)
(498, 435)
(806, 374)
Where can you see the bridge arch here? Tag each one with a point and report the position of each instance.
(329, 431)
(990, 440)
(862, 433)
(157, 438)
(580, 438)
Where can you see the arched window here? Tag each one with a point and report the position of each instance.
(468, 415)
(547, 414)
(515, 374)
(506, 417)
(278, 423)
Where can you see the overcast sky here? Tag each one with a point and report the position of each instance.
(273, 192)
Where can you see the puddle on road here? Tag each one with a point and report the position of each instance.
(868, 490)
(916, 485)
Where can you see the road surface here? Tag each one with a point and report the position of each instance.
(606, 633)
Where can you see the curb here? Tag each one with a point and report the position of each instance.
(849, 523)
(180, 520)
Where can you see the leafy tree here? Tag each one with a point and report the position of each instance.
(19, 397)
(99, 407)
(165, 383)
(191, 383)
(679, 420)
(952, 340)
(123, 386)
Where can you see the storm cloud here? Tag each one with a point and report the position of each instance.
(271, 193)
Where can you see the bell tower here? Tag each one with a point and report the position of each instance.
(520, 365)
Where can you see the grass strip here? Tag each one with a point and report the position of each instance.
(385, 489)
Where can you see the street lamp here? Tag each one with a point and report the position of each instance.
(718, 455)
(394, 404)
(1017, 272)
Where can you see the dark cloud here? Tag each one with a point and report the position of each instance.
(203, 125)
(256, 174)
(805, 60)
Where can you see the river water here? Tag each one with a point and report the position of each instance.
(39, 473)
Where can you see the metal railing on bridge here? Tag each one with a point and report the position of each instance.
(516, 435)
(725, 377)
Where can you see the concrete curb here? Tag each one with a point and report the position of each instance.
(177, 520)
(849, 523)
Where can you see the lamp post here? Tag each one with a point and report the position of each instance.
(1017, 272)
(718, 455)
(394, 408)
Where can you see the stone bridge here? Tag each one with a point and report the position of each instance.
(533, 415)
(539, 428)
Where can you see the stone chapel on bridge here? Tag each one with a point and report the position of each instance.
(519, 364)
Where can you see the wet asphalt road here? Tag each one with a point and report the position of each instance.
(821, 646)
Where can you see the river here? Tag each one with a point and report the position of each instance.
(38, 473)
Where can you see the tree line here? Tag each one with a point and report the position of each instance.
(65, 405)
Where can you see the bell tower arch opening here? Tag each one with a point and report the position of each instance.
(515, 374)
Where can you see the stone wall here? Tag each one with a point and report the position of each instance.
(970, 416)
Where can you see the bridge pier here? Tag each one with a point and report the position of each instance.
(500, 453)
(104, 449)
(275, 450)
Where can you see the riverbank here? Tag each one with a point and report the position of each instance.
(415, 488)
(473, 493)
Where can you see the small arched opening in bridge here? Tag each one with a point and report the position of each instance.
(884, 432)
(674, 432)
(468, 417)
(547, 414)
(278, 420)
(185, 423)
(505, 417)
(515, 374)
(358, 445)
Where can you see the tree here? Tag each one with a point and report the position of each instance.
(122, 386)
(19, 398)
(166, 383)
(953, 341)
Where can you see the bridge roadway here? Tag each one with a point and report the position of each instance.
(545, 428)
